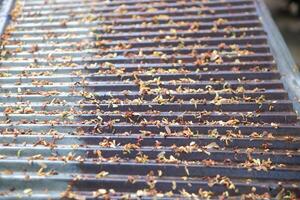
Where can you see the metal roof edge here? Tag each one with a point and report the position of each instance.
(282, 55)
(5, 14)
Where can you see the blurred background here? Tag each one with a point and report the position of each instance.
(286, 14)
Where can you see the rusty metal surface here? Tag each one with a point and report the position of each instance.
(143, 99)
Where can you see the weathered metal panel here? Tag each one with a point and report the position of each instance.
(144, 99)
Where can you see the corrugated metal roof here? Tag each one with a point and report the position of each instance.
(143, 99)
